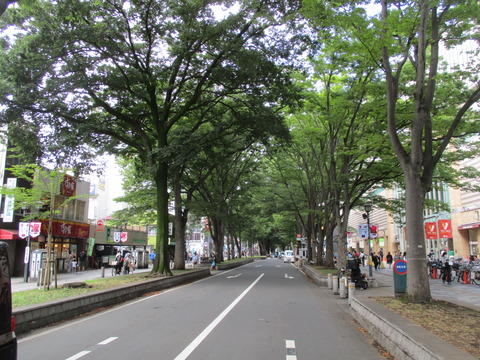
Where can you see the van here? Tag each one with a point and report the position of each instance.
(288, 256)
(8, 340)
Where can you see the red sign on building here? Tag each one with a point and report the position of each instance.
(431, 230)
(445, 229)
(69, 186)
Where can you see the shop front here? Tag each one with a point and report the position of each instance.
(68, 237)
(110, 241)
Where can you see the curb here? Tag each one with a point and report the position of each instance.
(399, 336)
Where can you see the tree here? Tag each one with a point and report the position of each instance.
(410, 54)
(126, 76)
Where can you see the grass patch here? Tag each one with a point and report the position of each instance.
(326, 270)
(455, 324)
(37, 296)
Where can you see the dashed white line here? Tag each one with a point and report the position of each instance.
(78, 355)
(291, 350)
(107, 341)
(83, 353)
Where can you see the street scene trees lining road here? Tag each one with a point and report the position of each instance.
(163, 84)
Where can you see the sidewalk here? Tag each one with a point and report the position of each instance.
(62, 278)
(399, 336)
(466, 295)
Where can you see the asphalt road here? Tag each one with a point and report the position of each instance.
(262, 311)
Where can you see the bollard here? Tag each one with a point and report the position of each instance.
(351, 291)
(335, 284)
(465, 278)
(329, 281)
(342, 288)
(103, 272)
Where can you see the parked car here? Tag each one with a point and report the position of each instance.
(288, 256)
(8, 340)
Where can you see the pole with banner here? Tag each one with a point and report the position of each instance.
(28, 230)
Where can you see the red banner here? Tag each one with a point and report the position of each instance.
(69, 186)
(431, 230)
(445, 228)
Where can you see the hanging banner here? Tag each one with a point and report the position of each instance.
(23, 230)
(431, 230)
(124, 236)
(9, 201)
(35, 228)
(445, 229)
(374, 231)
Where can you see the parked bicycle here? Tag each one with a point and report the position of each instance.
(475, 275)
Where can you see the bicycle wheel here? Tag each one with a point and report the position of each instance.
(475, 277)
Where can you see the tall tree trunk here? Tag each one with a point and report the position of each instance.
(181, 217)
(162, 261)
(418, 288)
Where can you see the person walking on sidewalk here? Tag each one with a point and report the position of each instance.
(214, 262)
(389, 260)
(82, 258)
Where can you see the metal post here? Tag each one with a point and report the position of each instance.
(351, 291)
(335, 284)
(26, 267)
(368, 209)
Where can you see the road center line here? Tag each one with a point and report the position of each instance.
(198, 340)
(291, 350)
(109, 340)
(78, 355)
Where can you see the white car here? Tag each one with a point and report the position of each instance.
(288, 256)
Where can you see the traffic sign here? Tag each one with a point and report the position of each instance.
(100, 225)
(400, 267)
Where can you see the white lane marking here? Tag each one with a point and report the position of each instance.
(107, 341)
(78, 355)
(258, 265)
(288, 277)
(193, 345)
(234, 276)
(291, 350)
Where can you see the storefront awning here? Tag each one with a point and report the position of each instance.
(9, 234)
(469, 226)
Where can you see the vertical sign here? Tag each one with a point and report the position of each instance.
(431, 230)
(9, 201)
(445, 228)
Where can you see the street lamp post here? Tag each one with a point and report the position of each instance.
(368, 209)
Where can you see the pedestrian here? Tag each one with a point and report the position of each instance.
(68, 261)
(195, 259)
(375, 259)
(82, 258)
(74, 264)
(389, 260)
(405, 255)
(214, 262)
(362, 258)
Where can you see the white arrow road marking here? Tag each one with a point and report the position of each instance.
(234, 276)
(278, 266)
(288, 277)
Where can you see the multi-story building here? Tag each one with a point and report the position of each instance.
(456, 231)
